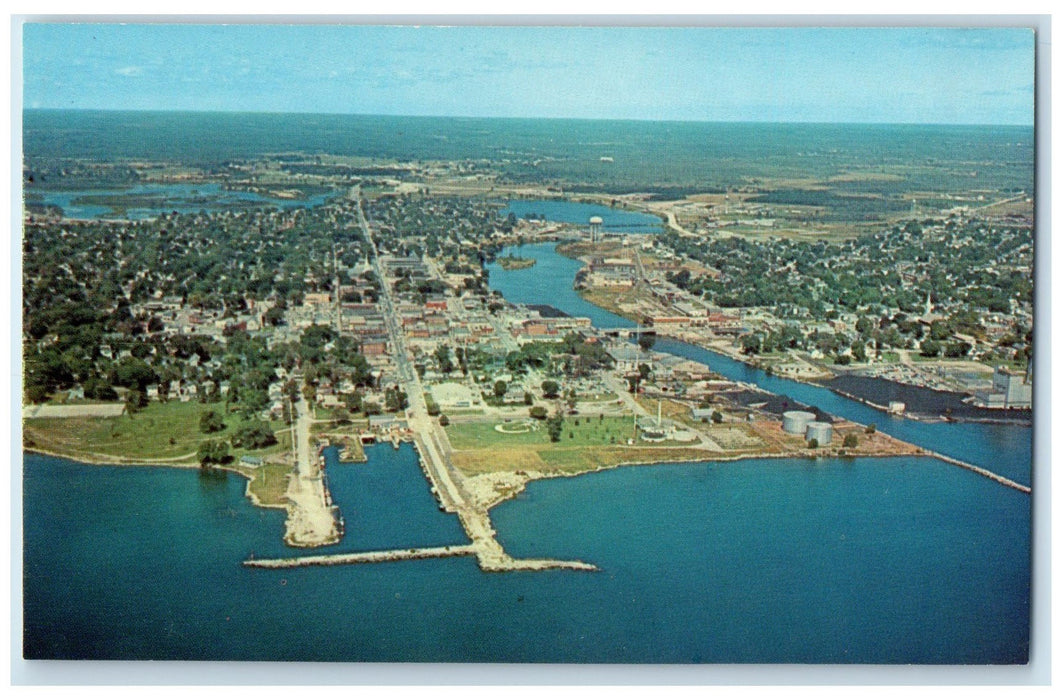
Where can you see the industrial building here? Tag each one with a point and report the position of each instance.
(796, 422)
(1010, 389)
(820, 432)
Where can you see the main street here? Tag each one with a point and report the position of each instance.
(425, 430)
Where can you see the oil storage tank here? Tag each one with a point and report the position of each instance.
(796, 422)
(820, 432)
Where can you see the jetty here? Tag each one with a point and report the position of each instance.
(982, 471)
(379, 556)
(362, 557)
(312, 518)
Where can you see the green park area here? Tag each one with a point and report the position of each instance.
(167, 433)
(584, 443)
(268, 483)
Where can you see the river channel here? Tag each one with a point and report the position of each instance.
(1003, 448)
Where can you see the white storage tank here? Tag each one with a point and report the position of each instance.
(821, 432)
(796, 422)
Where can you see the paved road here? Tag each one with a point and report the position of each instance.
(306, 464)
(426, 430)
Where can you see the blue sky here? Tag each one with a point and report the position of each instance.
(838, 74)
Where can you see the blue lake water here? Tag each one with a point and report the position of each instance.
(903, 560)
(871, 561)
(180, 197)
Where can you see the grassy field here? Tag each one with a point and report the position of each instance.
(268, 483)
(161, 432)
(592, 444)
(590, 431)
(671, 410)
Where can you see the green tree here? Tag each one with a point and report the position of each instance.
(275, 316)
(395, 400)
(957, 349)
(211, 422)
(134, 401)
(550, 389)
(537, 412)
(646, 341)
(850, 440)
(213, 452)
(443, 360)
(555, 426)
(500, 388)
(353, 402)
(254, 435)
(930, 348)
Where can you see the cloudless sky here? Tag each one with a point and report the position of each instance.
(836, 74)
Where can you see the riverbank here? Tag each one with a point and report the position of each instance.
(922, 403)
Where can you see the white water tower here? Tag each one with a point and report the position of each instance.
(595, 228)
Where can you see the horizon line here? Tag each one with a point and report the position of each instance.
(528, 118)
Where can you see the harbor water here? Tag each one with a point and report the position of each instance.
(870, 561)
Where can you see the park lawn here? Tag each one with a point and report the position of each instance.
(159, 432)
(607, 397)
(269, 483)
(590, 431)
(672, 410)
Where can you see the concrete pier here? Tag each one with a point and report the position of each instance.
(363, 557)
(983, 472)
(498, 562)
(312, 519)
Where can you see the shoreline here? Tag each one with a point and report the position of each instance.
(98, 460)
(490, 489)
(523, 478)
